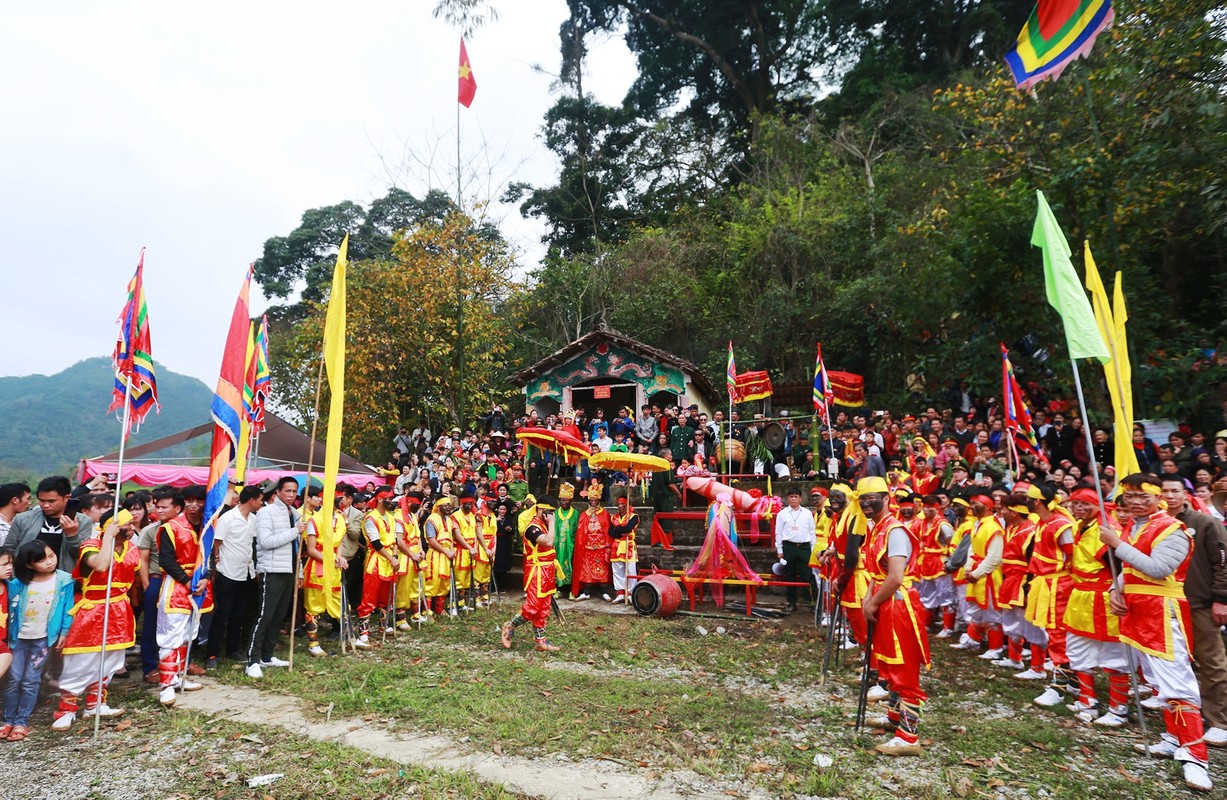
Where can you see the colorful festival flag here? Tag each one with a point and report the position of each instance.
(822, 389)
(1058, 33)
(264, 379)
(227, 410)
(730, 375)
(135, 381)
(334, 363)
(1065, 292)
(847, 388)
(1017, 414)
(1118, 372)
(468, 83)
(753, 385)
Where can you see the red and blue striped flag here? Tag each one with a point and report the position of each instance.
(822, 389)
(1017, 415)
(227, 410)
(135, 381)
(1058, 33)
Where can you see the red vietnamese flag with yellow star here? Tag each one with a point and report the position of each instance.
(468, 84)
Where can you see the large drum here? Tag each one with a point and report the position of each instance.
(734, 448)
(656, 596)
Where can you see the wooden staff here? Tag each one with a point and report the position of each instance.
(319, 382)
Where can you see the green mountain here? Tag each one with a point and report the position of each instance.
(53, 421)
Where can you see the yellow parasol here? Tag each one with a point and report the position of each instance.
(628, 462)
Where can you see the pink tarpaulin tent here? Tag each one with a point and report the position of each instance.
(284, 450)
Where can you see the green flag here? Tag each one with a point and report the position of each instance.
(1065, 292)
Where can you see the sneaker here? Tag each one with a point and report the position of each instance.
(992, 655)
(620, 597)
(211, 663)
(254, 671)
(106, 711)
(1154, 703)
(363, 642)
(607, 598)
(1196, 776)
(416, 618)
(482, 604)
(1051, 697)
(316, 651)
(63, 722)
(880, 721)
(582, 597)
(404, 626)
(1165, 748)
(945, 633)
(275, 662)
(1030, 675)
(195, 669)
(190, 686)
(1008, 662)
(167, 696)
(898, 747)
(505, 634)
(544, 646)
(1215, 737)
(1078, 706)
(876, 694)
(1110, 720)
(850, 644)
(965, 642)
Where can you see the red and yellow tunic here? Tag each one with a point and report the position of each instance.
(985, 591)
(1050, 576)
(964, 529)
(591, 548)
(540, 575)
(176, 598)
(858, 583)
(1014, 564)
(926, 484)
(822, 538)
(313, 570)
(898, 636)
(1087, 613)
(623, 549)
(931, 563)
(85, 635)
(438, 572)
(376, 563)
(466, 536)
(487, 536)
(1153, 601)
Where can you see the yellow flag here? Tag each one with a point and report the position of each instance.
(1111, 321)
(334, 363)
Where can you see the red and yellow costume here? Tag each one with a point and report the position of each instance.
(177, 624)
(623, 552)
(591, 549)
(438, 571)
(314, 600)
(487, 535)
(378, 574)
(539, 576)
(409, 571)
(1051, 583)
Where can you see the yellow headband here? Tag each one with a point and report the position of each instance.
(871, 485)
(1019, 509)
(1151, 489)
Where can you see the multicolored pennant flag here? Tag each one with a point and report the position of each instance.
(264, 379)
(135, 381)
(822, 389)
(1058, 33)
(1017, 414)
(227, 410)
(334, 363)
(847, 388)
(730, 375)
(1118, 372)
(1065, 292)
(754, 385)
(468, 83)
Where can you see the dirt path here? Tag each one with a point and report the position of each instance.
(559, 780)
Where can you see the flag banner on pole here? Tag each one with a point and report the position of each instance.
(822, 389)
(1017, 414)
(334, 363)
(754, 385)
(264, 379)
(847, 388)
(468, 83)
(133, 359)
(730, 375)
(243, 445)
(227, 410)
(1058, 33)
(1065, 292)
(1118, 372)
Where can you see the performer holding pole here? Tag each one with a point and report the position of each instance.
(539, 580)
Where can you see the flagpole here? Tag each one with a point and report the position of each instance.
(460, 419)
(319, 382)
(106, 608)
(728, 448)
(830, 433)
(1113, 566)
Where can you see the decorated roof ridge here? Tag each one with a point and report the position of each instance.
(604, 332)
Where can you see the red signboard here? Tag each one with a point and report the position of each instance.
(600, 392)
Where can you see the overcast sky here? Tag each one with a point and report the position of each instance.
(199, 132)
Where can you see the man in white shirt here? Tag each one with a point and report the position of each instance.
(794, 540)
(234, 565)
(602, 440)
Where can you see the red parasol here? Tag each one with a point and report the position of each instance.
(565, 444)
